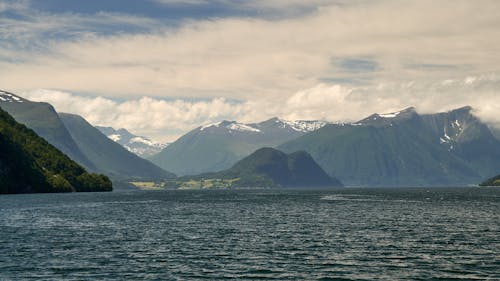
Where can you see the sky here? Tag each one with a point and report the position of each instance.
(160, 68)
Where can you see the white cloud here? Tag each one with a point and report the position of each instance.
(167, 119)
(157, 118)
(435, 55)
(245, 58)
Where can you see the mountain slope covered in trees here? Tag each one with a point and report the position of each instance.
(29, 164)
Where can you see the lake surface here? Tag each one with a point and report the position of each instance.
(346, 234)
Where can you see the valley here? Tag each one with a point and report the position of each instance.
(403, 148)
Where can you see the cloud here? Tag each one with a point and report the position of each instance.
(332, 60)
(336, 103)
(247, 57)
(167, 119)
(26, 29)
(158, 118)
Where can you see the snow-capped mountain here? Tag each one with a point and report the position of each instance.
(231, 126)
(302, 126)
(388, 119)
(217, 146)
(141, 146)
(405, 148)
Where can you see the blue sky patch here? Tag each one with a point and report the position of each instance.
(357, 65)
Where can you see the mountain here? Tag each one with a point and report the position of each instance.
(218, 146)
(80, 141)
(496, 132)
(29, 164)
(108, 155)
(404, 149)
(44, 120)
(267, 167)
(141, 146)
(465, 136)
(494, 181)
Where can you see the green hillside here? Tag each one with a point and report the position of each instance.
(28, 164)
(266, 167)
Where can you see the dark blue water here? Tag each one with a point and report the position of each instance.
(288, 235)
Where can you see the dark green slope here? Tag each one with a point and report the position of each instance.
(28, 163)
(380, 151)
(268, 167)
(44, 120)
(297, 169)
(108, 156)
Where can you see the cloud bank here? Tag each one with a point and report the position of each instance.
(358, 42)
(167, 119)
(335, 60)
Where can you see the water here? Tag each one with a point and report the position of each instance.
(288, 235)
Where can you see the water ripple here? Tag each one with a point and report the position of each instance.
(347, 234)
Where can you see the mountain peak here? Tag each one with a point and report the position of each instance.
(232, 126)
(387, 119)
(302, 126)
(462, 110)
(406, 111)
(297, 169)
(139, 145)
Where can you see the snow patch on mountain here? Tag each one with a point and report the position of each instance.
(138, 145)
(451, 133)
(242, 128)
(210, 125)
(302, 125)
(115, 137)
(232, 126)
(144, 141)
(389, 115)
(8, 97)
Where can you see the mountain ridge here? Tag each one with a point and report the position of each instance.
(69, 138)
(218, 146)
(403, 150)
(44, 120)
(139, 145)
(108, 155)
